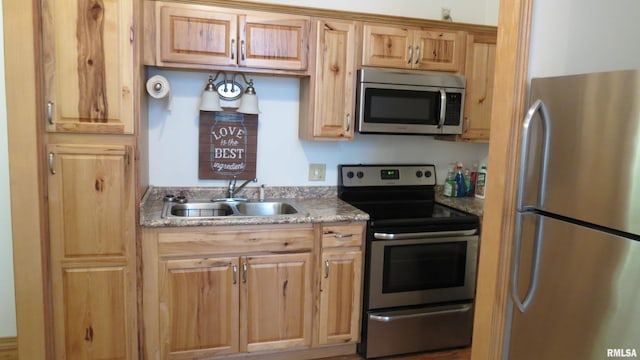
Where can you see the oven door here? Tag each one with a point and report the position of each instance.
(408, 109)
(421, 268)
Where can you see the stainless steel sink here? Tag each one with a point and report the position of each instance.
(265, 208)
(199, 210)
(205, 209)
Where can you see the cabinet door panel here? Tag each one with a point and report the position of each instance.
(479, 70)
(438, 50)
(96, 316)
(90, 212)
(199, 307)
(340, 297)
(274, 41)
(276, 301)
(386, 46)
(88, 65)
(198, 35)
(335, 79)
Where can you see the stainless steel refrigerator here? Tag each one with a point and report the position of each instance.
(575, 280)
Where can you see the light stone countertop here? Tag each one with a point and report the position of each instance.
(320, 202)
(471, 205)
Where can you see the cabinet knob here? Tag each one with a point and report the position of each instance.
(410, 55)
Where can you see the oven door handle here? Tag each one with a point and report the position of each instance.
(422, 235)
(388, 318)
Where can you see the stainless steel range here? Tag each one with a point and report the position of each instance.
(421, 260)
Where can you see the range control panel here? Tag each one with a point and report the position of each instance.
(387, 175)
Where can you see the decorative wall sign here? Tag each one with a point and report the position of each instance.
(228, 144)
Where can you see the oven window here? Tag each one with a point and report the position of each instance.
(402, 106)
(424, 266)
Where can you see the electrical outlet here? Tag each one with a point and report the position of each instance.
(317, 172)
(446, 14)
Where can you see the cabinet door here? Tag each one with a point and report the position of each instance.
(276, 302)
(92, 238)
(386, 46)
(199, 307)
(335, 79)
(438, 50)
(96, 314)
(340, 296)
(88, 65)
(479, 71)
(274, 41)
(197, 35)
(91, 204)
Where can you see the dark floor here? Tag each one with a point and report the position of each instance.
(457, 354)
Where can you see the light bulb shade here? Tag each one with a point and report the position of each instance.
(210, 101)
(248, 104)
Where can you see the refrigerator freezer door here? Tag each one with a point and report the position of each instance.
(594, 149)
(587, 301)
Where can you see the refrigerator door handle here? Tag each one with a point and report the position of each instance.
(537, 107)
(535, 267)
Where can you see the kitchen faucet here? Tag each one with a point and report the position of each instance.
(232, 189)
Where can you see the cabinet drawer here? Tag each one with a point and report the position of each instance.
(342, 235)
(180, 243)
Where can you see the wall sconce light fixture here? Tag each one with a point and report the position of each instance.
(229, 90)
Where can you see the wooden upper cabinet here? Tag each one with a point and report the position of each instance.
(274, 41)
(479, 71)
(412, 48)
(197, 35)
(88, 66)
(328, 95)
(209, 36)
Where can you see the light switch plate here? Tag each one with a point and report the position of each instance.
(317, 172)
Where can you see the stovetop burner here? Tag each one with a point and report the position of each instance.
(399, 196)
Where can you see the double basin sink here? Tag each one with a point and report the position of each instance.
(206, 209)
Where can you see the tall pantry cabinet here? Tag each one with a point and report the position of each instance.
(89, 68)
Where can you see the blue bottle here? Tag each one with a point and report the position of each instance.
(461, 185)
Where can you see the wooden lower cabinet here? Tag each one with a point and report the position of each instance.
(199, 307)
(92, 247)
(287, 291)
(233, 290)
(340, 295)
(276, 302)
(340, 283)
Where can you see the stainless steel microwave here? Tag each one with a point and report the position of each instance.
(403, 102)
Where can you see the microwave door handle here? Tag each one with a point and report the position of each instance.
(443, 107)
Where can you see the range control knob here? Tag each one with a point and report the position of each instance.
(427, 173)
(350, 174)
(360, 174)
(418, 174)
